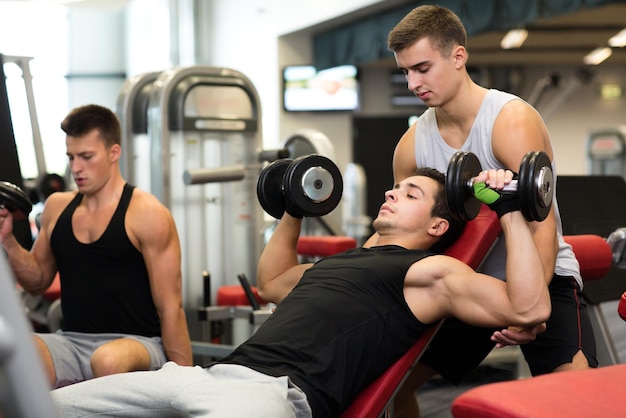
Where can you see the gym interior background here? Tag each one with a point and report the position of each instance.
(98, 44)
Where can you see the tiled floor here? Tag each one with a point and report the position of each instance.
(437, 395)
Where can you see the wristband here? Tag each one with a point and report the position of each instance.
(499, 202)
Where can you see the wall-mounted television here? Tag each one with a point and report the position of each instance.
(306, 89)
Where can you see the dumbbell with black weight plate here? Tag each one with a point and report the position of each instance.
(534, 186)
(310, 185)
(15, 200)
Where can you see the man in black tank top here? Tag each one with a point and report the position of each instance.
(339, 323)
(116, 251)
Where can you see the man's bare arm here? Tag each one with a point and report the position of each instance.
(279, 269)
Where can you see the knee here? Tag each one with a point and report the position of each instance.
(105, 362)
(579, 362)
(46, 358)
(119, 356)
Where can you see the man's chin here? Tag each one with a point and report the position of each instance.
(380, 224)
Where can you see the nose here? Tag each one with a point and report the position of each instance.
(74, 166)
(390, 195)
(413, 80)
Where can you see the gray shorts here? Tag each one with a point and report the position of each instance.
(71, 353)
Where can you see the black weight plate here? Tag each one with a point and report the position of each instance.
(462, 168)
(269, 187)
(14, 199)
(524, 185)
(535, 186)
(313, 185)
(453, 186)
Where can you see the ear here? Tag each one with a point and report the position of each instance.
(438, 227)
(459, 55)
(115, 152)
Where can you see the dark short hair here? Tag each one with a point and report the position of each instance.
(444, 29)
(84, 119)
(442, 209)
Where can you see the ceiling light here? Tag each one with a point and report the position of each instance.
(598, 55)
(514, 38)
(619, 39)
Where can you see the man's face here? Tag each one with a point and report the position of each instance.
(90, 161)
(407, 206)
(429, 75)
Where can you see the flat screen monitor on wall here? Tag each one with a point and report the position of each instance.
(306, 89)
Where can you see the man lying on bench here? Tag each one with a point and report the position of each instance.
(341, 321)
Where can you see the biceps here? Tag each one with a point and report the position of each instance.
(163, 266)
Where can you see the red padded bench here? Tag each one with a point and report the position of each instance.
(324, 245)
(584, 393)
(472, 246)
(593, 253)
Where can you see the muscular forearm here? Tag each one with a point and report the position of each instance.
(175, 336)
(526, 284)
(24, 265)
(544, 234)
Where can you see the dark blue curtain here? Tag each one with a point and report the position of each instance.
(366, 40)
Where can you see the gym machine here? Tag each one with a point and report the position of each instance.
(192, 137)
(24, 65)
(606, 152)
(10, 170)
(45, 183)
(132, 111)
(204, 125)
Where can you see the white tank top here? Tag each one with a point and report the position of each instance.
(432, 151)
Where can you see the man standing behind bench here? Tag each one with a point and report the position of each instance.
(117, 253)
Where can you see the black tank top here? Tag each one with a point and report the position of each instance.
(346, 322)
(104, 284)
